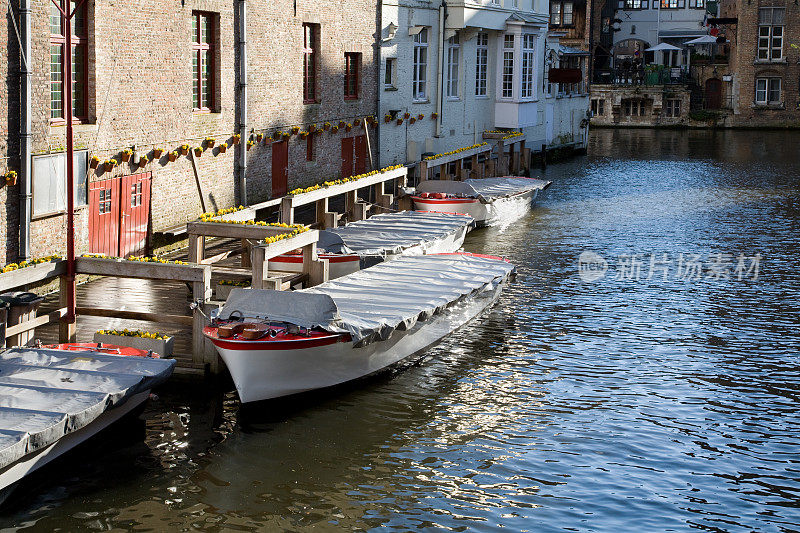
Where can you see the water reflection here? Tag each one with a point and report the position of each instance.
(656, 404)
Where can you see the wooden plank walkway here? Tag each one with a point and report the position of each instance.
(160, 297)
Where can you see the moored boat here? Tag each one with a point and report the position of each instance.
(489, 201)
(383, 237)
(279, 343)
(51, 400)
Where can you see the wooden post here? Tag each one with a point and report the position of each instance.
(350, 198)
(514, 163)
(459, 169)
(246, 263)
(544, 156)
(260, 268)
(66, 330)
(319, 272)
(331, 220)
(491, 168)
(197, 244)
(475, 171)
(321, 209)
(526, 158)
(423, 171)
(287, 211)
(202, 350)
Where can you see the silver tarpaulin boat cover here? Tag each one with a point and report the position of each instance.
(485, 189)
(392, 233)
(370, 304)
(46, 394)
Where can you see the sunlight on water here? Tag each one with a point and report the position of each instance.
(660, 403)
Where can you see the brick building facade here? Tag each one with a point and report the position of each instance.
(765, 62)
(157, 76)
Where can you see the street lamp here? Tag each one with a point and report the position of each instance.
(66, 68)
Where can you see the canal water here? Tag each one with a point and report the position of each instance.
(640, 374)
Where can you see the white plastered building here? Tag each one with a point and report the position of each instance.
(459, 68)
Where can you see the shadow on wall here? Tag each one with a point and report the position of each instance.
(11, 200)
(326, 159)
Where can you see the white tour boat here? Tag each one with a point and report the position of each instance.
(51, 400)
(489, 201)
(279, 343)
(382, 237)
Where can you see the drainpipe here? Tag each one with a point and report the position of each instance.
(25, 135)
(440, 70)
(242, 104)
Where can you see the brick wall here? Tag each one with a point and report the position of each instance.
(139, 86)
(744, 46)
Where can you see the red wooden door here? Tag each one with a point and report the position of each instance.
(104, 217)
(134, 214)
(280, 168)
(347, 157)
(360, 154)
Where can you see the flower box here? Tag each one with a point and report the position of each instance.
(223, 148)
(94, 162)
(198, 152)
(173, 156)
(184, 149)
(143, 161)
(399, 121)
(110, 164)
(412, 120)
(210, 142)
(162, 347)
(11, 178)
(236, 139)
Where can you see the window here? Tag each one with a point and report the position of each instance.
(672, 107)
(576, 63)
(560, 13)
(419, 82)
(528, 45)
(598, 107)
(634, 4)
(453, 49)
(770, 33)
(310, 52)
(352, 75)
(80, 69)
(310, 147)
(633, 108)
(673, 4)
(203, 49)
(104, 203)
(482, 64)
(697, 4)
(768, 91)
(136, 194)
(390, 74)
(50, 182)
(508, 66)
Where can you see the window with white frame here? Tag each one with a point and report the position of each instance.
(508, 66)
(390, 73)
(482, 64)
(598, 107)
(453, 51)
(697, 4)
(673, 4)
(672, 107)
(528, 50)
(768, 91)
(50, 182)
(419, 82)
(770, 33)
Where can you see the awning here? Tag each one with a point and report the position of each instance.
(705, 39)
(662, 47)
